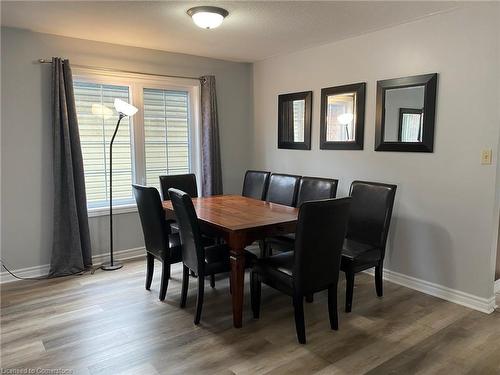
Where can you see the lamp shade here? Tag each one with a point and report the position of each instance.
(124, 108)
(207, 17)
(345, 118)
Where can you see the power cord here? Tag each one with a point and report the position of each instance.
(42, 277)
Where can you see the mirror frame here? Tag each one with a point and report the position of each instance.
(360, 90)
(429, 81)
(307, 97)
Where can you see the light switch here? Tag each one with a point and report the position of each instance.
(486, 157)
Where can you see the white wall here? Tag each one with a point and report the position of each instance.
(26, 142)
(444, 217)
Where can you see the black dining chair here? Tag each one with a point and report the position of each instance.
(160, 243)
(196, 257)
(313, 266)
(310, 189)
(184, 182)
(283, 189)
(255, 184)
(367, 230)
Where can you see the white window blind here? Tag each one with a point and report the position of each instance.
(97, 120)
(166, 133)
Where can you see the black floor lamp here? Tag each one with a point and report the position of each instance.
(124, 109)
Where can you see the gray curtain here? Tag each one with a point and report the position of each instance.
(211, 171)
(71, 252)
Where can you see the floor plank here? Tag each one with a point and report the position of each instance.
(107, 323)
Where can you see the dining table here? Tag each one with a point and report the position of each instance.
(239, 221)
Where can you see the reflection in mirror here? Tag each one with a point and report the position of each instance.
(404, 114)
(294, 120)
(410, 125)
(342, 117)
(295, 115)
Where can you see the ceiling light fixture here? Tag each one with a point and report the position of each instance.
(207, 17)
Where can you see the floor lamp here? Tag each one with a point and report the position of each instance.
(124, 109)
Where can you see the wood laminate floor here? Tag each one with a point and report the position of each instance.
(107, 323)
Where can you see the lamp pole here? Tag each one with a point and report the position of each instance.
(112, 265)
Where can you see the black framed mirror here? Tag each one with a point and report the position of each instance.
(294, 120)
(343, 117)
(405, 114)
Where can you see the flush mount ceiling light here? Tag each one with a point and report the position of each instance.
(207, 17)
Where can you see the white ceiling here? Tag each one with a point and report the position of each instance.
(254, 30)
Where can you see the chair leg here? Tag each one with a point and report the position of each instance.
(199, 301)
(150, 267)
(165, 275)
(298, 306)
(378, 280)
(185, 284)
(349, 276)
(212, 281)
(255, 291)
(263, 248)
(310, 297)
(332, 307)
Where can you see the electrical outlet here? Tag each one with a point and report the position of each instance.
(486, 157)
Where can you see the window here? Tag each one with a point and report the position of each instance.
(96, 128)
(160, 139)
(166, 134)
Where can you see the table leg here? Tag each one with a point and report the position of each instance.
(237, 284)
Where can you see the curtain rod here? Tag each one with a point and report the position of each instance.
(44, 61)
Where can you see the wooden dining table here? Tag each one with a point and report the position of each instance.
(240, 221)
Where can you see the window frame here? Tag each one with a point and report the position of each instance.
(136, 84)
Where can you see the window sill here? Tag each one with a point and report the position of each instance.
(117, 210)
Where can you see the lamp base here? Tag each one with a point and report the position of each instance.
(111, 267)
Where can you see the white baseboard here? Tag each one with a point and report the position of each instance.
(42, 270)
(485, 305)
(497, 286)
(136, 252)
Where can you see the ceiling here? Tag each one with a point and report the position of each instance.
(254, 30)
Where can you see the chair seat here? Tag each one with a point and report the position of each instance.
(175, 247)
(173, 253)
(285, 242)
(277, 270)
(287, 238)
(359, 252)
(217, 259)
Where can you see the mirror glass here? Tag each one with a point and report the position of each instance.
(340, 118)
(342, 115)
(404, 114)
(294, 120)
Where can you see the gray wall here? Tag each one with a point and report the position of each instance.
(446, 216)
(26, 145)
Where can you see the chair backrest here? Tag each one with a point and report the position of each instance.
(255, 184)
(371, 212)
(321, 229)
(152, 218)
(313, 189)
(193, 253)
(183, 182)
(283, 189)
